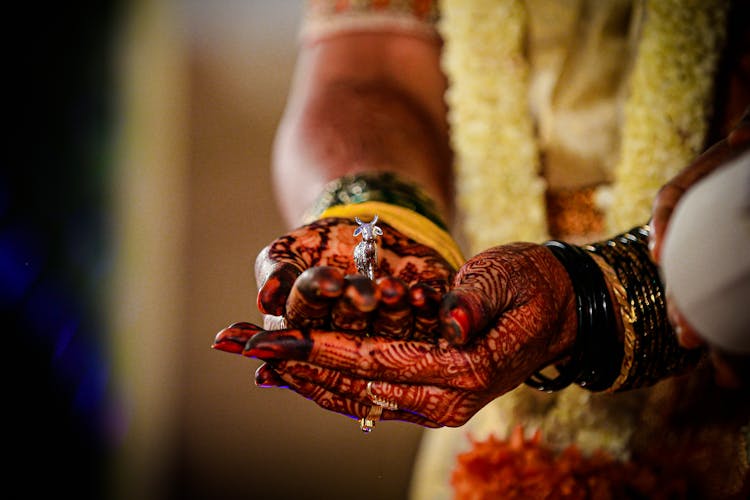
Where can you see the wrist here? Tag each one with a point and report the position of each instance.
(651, 350)
(398, 203)
(378, 186)
(592, 357)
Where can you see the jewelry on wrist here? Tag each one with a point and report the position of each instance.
(400, 204)
(384, 187)
(601, 359)
(593, 362)
(651, 349)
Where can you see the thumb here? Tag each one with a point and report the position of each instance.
(480, 294)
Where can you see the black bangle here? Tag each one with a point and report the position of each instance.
(653, 351)
(594, 362)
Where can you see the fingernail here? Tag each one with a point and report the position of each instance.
(393, 292)
(270, 346)
(321, 282)
(455, 325)
(265, 376)
(272, 296)
(233, 338)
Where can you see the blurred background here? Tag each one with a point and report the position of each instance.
(128, 232)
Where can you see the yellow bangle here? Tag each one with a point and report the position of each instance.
(408, 222)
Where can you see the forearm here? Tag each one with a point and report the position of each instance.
(363, 102)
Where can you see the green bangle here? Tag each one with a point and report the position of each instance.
(385, 187)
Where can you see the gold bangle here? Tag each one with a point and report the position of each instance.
(627, 317)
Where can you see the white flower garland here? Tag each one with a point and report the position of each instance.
(499, 190)
(501, 194)
(665, 117)
(498, 187)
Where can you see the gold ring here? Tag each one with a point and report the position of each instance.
(378, 401)
(367, 423)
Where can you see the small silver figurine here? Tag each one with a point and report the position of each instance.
(366, 251)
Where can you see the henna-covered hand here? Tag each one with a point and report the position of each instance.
(308, 277)
(512, 310)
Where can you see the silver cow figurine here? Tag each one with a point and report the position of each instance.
(366, 251)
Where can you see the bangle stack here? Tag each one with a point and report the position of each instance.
(384, 187)
(601, 358)
(651, 350)
(595, 360)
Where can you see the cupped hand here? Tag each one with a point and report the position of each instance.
(718, 155)
(511, 312)
(729, 370)
(308, 279)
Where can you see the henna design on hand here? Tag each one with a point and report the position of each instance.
(425, 303)
(359, 300)
(312, 300)
(312, 296)
(512, 307)
(393, 317)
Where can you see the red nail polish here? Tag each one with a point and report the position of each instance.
(461, 322)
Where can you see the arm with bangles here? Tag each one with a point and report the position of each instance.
(361, 105)
(364, 133)
(597, 313)
(364, 102)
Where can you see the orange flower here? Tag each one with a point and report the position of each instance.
(520, 468)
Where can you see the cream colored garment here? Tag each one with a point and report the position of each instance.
(579, 55)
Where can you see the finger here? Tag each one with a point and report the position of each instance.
(234, 337)
(425, 303)
(353, 310)
(312, 295)
(445, 406)
(267, 376)
(354, 408)
(670, 194)
(687, 336)
(393, 317)
(376, 357)
(479, 295)
(277, 345)
(275, 280)
(441, 405)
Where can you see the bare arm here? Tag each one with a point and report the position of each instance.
(363, 102)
